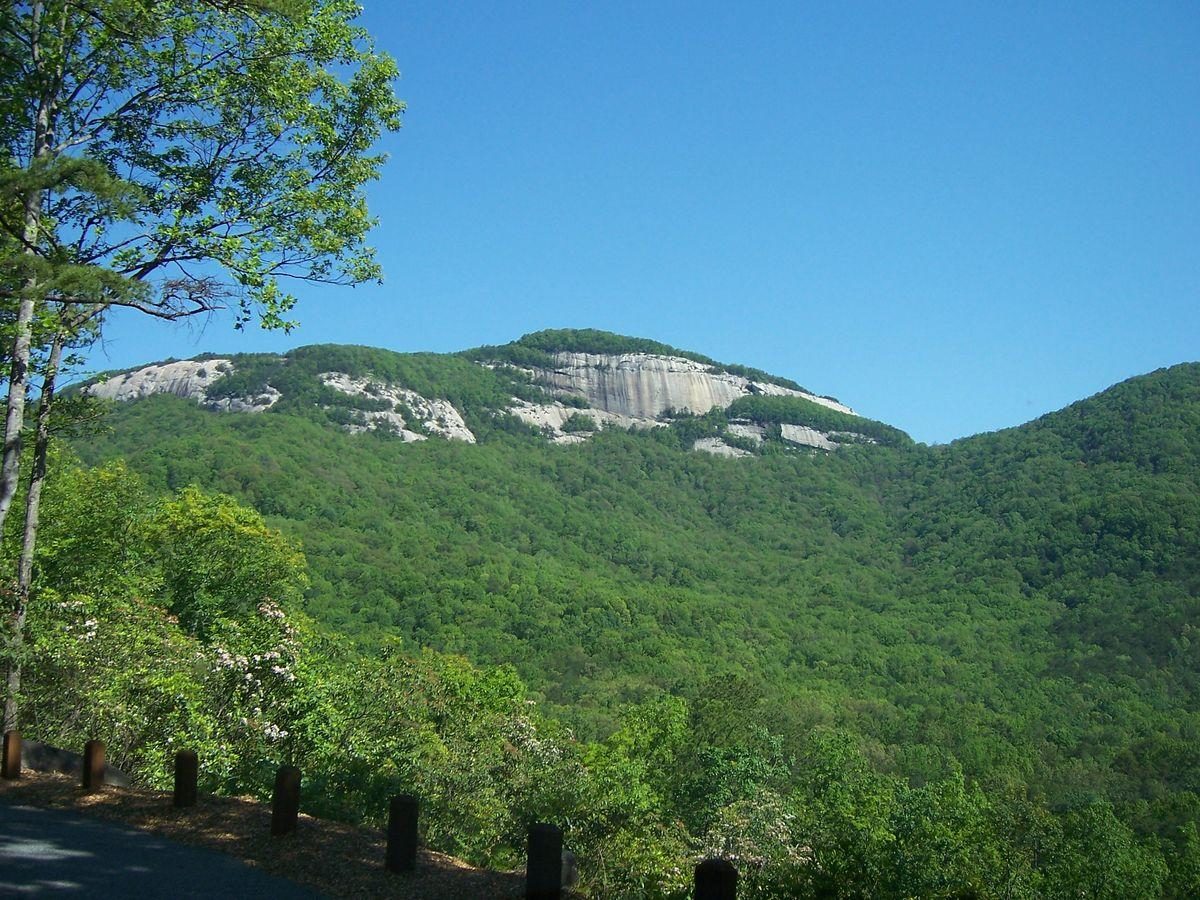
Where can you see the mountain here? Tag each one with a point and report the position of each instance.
(1024, 601)
(566, 384)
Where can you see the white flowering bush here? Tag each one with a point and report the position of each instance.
(150, 628)
(759, 835)
(252, 667)
(118, 669)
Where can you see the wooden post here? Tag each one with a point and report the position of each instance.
(285, 803)
(12, 755)
(187, 773)
(93, 765)
(716, 879)
(543, 868)
(401, 853)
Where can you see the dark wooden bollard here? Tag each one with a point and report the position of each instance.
(543, 869)
(187, 773)
(285, 803)
(716, 879)
(12, 755)
(401, 853)
(93, 765)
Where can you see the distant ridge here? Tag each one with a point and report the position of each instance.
(564, 384)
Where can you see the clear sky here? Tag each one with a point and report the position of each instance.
(953, 216)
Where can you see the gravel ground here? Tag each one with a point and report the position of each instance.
(330, 858)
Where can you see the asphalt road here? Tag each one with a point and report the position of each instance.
(52, 853)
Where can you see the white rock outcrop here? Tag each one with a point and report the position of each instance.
(749, 430)
(551, 417)
(806, 437)
(257, 403)
(186, 378)
(642, 386)
(435, 416)
(634, 389)
(718, 447)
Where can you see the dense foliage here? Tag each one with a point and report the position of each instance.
(887, 671)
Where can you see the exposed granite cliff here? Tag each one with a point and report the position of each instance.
(552, 418)
(642, 386)
(636, 389)
(432, 416)
(187, 378)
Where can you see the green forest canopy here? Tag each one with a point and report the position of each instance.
(1018, 607)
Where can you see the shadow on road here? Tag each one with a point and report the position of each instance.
(47, 852)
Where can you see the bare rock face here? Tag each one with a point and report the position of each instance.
(628, 390)
(639, 385)
(435, 416)
(806, 437)
(801, 435)
(187, 379)
(550, 418)
(749, 430)
(190, 380)
(257, 403)
(718, 447)
(634, 389)
(642, 386)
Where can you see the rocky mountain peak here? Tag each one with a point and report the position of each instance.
(567, 385)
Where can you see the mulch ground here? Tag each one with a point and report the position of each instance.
(331, 858)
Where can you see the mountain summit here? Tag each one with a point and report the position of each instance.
(565, 384)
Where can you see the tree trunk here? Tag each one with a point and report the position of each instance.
(33, 504)
(18, 382)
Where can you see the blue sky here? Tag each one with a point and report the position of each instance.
(953, 216)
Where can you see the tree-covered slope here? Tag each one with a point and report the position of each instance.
(1022, 601)
(619, 560)
(1093, 514)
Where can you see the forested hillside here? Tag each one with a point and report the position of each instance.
(1013, 614)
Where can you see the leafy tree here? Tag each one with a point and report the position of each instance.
(219, 560)
(1185, 865)
(845, 822)
(1099, 857)
(173, 158)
